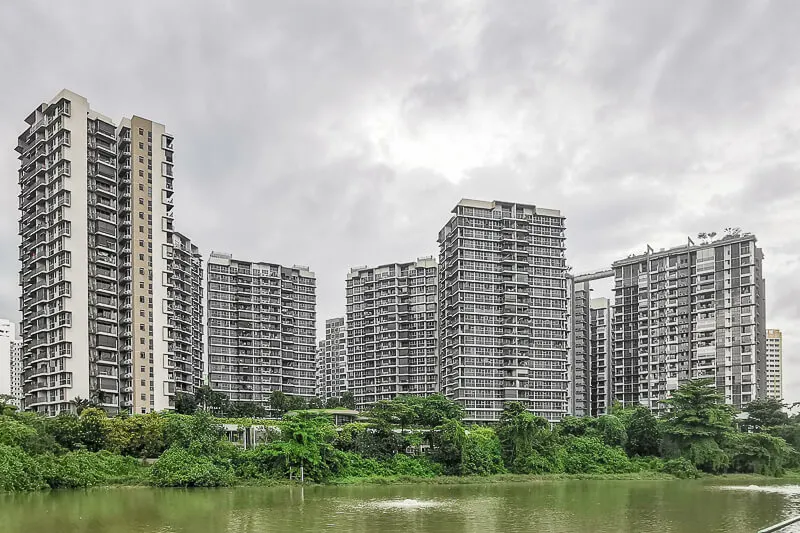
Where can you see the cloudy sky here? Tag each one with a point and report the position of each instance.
(335, 134)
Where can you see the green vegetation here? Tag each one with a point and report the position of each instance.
(407, 439)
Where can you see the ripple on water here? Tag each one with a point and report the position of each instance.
(401, 505)
(779, 489)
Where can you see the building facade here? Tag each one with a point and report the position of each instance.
(503, 309)
(774, 364)
(332, 361)
(392, 331)
(600, 378)
(695, 311)
(261, 329)
(96, 228)
(580, 386)
(187, 318)
(10, 363)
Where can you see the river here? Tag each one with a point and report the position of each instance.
(551, 506)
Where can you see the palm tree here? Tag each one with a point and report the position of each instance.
(80, 404)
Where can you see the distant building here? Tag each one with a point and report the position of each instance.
(391, 331)
(10, 363)
(581, 364)
(600, 376)
(332, 361)
(774, 364)
(503, 309)
(261, 329)
(694, 311)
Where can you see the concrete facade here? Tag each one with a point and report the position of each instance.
(391, 331)
(695, 311)
(774, 364)
(332, 360)
(97, 262)
(261, 324)
(503, 309)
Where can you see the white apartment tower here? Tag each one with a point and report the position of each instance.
(391, 331)
(694, 311)
(503, 309)
(261, 329)
(774, 364)
(10, 363)
(332, 361)
(97, 260)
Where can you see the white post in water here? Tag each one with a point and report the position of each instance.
(302, 474)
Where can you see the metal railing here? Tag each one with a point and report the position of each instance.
(780, 526)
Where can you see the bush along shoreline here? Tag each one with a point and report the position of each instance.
(409, 439)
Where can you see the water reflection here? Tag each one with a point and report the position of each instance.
(558, 506)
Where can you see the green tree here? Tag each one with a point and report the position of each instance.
(481, 452)
(765, 413)
(696, 425)
(211, 401)
(528, 445)
(348, 401)
(295, 403)
(448, 446)
(278, 403)
(185, 404)
(79, 404)
(611, 430)
(94, 428)
(643, 433)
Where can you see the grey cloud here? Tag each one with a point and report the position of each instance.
(620, 114)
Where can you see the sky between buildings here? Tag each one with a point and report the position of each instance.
(335, 134)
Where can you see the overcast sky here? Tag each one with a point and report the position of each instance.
(336, 134)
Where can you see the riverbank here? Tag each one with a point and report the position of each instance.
(140, 478)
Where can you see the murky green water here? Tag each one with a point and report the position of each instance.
(554, 506)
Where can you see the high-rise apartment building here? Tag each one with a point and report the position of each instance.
(10, 363)
(774, 349)
(332, 361)
(503, 309)
(391, 331)
(187, 318)
(600, 379)
(97, 261)
(580, 386)
(695, 311)
(261, 329)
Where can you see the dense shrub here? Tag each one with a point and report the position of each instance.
(590, 455)
(681, 468)
(82, 469)
(19, 471)
(177, 467)
(481, 454)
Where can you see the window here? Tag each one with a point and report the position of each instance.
(141, 257)
(141, 314)
(141, 284)
(141, 201)
(141, 270)
(141, 186)
(141, 214)
(141, 131)
(141, 230)
(144, 397)
(141, 146)
(141, 299)
(141, 327)
(143, 382)
(141, 340)
(141, 173)
(141, 159)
